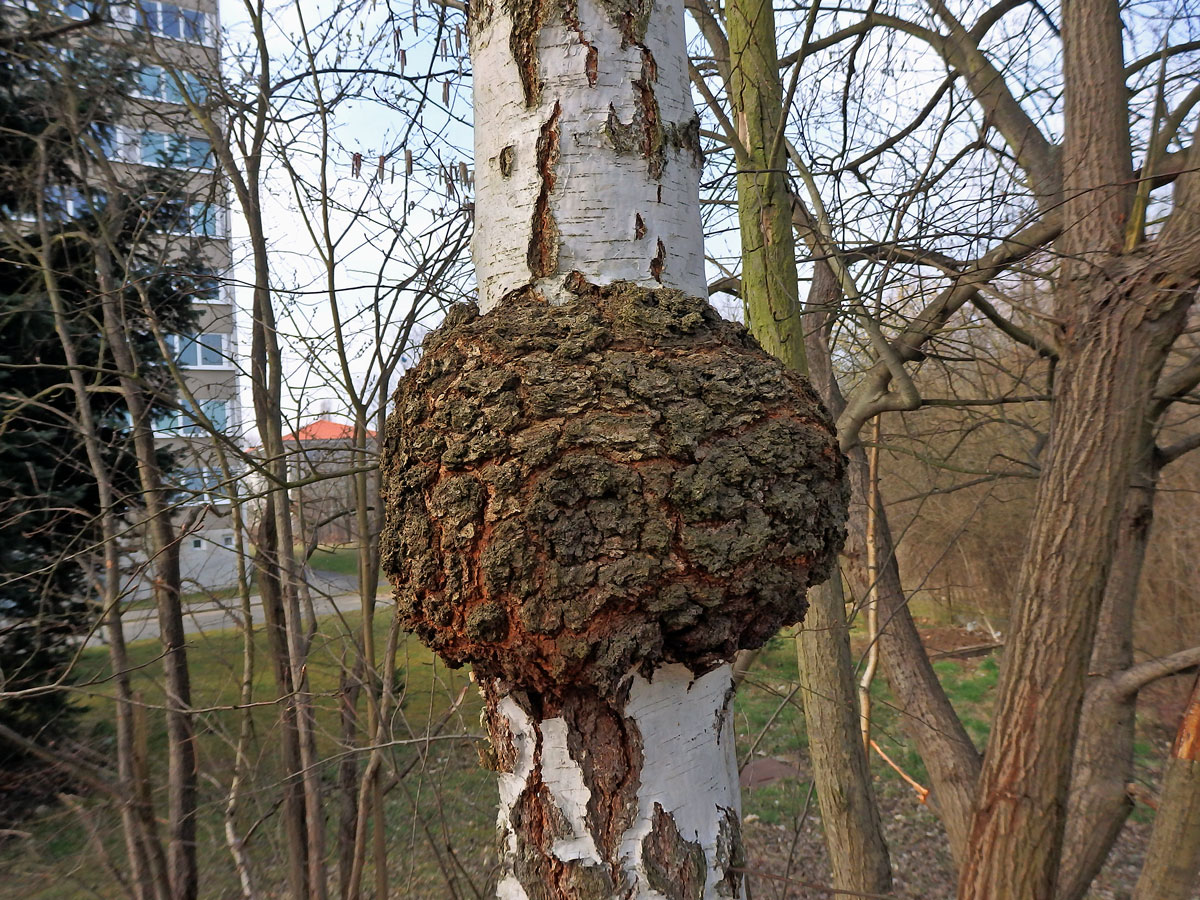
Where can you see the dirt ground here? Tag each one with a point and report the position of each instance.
(786, 862)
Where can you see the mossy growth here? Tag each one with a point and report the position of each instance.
(623, 481)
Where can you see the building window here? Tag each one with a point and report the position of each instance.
(195, 486)
(155, 83)
(62, 202)
(79, 9)
(206, 287)
(183, 423)
(200, 351)
(197, 543)
(171, 21)
(201, 220)
(175, 151)
(107, 138)
(199, 284)
(229, 540)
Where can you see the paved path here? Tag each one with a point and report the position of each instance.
(331, 593)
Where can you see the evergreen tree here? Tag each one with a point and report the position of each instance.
(58, 96)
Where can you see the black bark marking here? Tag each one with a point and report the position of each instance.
(646, 133)
(543, 234)
(658, 262)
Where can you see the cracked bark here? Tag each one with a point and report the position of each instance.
(1121, 311)
(598, 491)
(1172, 864)
(1098, 802)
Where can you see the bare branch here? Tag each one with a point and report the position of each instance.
(1137, 677)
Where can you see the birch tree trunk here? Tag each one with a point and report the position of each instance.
(598, 492)
(584, 118)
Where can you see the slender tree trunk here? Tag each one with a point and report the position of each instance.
(164, 555)
(242, 764)
(350, 686)
(849, 814)
(267, 381)
(769, 283)
(147, 862)
(950, 757)
(1098, 802)
(858, 856)
(1172, 867)
(945, 747)
(294, 813)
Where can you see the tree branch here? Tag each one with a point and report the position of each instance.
(1151, 58)
(1137, 677)
(1172, 452)
(1174, 385)
(1033, 151)
(714, 35)
(862, 403)
(1013, 330)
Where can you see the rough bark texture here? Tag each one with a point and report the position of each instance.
(622, 482)
(1109, 365)
(1098, 802)
(598, 492)
(1172, 866)
(1119, 313)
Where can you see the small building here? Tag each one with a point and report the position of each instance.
(324, 464)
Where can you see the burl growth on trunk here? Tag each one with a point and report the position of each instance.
(574, 492)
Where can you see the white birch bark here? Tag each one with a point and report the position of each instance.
(588, 164)
(622, 200)
(687, 774)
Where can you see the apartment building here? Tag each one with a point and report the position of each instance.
(175, 48)
(160, 130)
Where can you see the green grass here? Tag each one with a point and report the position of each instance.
(770, 698)
(441, 816)
(445, 795)
(341, 560)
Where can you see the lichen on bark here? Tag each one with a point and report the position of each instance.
(620, 482)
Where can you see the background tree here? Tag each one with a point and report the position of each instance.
(52, 223)
(1039, 161)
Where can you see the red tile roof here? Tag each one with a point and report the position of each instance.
(324, 430)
